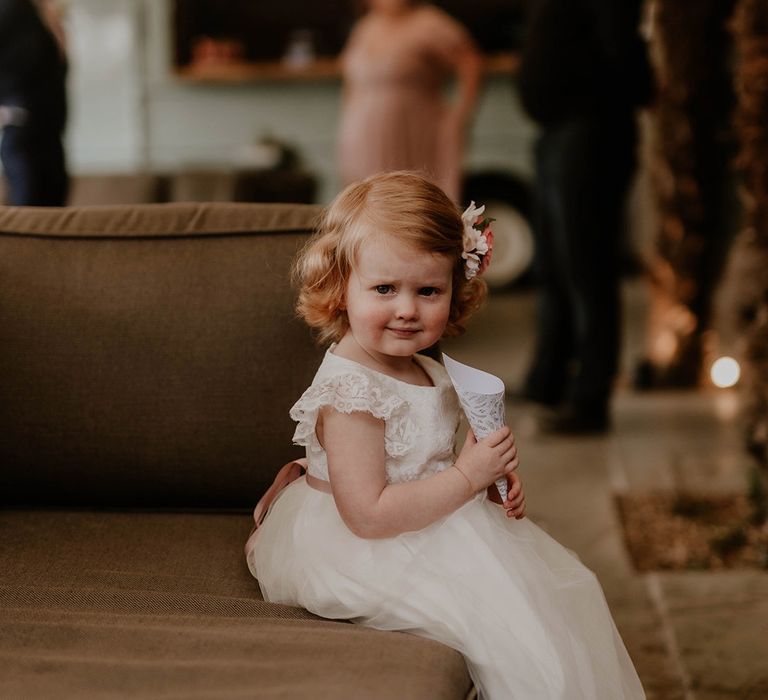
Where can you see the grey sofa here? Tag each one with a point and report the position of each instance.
(148, 358)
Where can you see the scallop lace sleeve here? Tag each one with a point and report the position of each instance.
(349, 393)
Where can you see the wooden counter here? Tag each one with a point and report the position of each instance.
(319, 70)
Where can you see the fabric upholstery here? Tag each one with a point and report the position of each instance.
(126, 604)
(149, 355)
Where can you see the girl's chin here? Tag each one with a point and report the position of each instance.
(407, 347)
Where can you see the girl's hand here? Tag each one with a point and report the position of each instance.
(515, 503)
(489, 459)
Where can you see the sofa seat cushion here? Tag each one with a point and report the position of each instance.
(149, 604)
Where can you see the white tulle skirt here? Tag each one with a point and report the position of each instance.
(529, 618)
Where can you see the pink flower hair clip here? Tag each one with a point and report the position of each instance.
(478, 241)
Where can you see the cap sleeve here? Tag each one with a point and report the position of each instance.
(351, 392)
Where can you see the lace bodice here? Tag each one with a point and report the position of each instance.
(420, 421)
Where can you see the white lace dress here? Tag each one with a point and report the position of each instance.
(528, 617)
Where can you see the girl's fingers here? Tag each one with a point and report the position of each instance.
(499, 436)
(507, 446)
(514, 491)
(507, 456)
(510, 467)
(516, 512)
(509, 453)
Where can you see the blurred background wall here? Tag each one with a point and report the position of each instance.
(130, 111)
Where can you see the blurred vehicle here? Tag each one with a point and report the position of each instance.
(507, 198)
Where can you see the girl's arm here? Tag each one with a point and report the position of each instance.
(373, 509)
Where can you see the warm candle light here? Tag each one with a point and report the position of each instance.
(725, 372)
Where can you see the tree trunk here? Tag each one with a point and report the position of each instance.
(751, 33)
(693, 145)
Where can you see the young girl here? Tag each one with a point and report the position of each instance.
(389, 528)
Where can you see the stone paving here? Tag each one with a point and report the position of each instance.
(698, 635)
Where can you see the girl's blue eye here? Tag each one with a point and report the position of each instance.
(384, 288)
(428, 291)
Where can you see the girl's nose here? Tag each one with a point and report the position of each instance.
(406, 307)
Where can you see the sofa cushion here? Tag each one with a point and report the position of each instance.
(149, 354)
(125, 604)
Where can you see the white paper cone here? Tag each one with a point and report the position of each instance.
(482, 397)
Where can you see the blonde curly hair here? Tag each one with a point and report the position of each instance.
(400, 205)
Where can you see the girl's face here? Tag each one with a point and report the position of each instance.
(398, 299)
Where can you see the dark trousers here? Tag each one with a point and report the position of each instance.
(583, 169)
(34, 167)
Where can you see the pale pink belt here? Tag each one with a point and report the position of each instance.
(318, 484)
(288, 473)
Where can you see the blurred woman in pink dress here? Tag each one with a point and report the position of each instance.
(395, 113)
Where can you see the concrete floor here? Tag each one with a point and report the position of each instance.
(698, 635)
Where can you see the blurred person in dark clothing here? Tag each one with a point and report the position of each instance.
(33, 104)
(584, 72)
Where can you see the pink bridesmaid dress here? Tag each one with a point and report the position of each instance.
(395, 113)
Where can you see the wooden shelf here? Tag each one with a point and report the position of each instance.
(321, 69)
(263, 71)
(502, 64)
